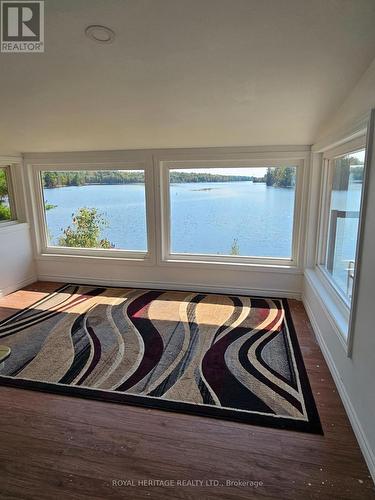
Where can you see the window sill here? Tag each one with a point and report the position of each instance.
(146, 259)
(262, 265)
(337, 313)
(12, 226)
(100, 257)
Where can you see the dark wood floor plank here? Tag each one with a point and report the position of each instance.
(63, 447)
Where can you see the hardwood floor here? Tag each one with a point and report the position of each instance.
(57, 447)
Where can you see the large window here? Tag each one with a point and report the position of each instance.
(191, 207)
(345, 174)
(97, 209)
(232, 212)
(7, 212)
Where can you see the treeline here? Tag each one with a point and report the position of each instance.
(357, 173)
(275, 176)
(180, 177)
(280, 177)
(84, 177)
(346, 169)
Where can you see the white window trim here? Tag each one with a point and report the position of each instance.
(150, 160)
(328, 156)
(340, 310)
(45, 250)
(176, 161)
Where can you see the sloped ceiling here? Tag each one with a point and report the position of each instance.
(184, 73)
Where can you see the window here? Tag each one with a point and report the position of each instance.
(95, 209)
(232, 213)
(7, 212)
(245, 209)
(345, 179)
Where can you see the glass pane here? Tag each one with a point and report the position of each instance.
(96, 209)
(344, 214)
(5, 208)
(233, 211)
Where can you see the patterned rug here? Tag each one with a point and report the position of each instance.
(225, 356)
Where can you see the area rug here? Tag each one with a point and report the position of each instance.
(224, 356)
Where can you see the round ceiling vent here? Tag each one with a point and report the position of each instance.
(100, 34)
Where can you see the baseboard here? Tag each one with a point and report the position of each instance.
(367, 452)
(16, 286)
(199, 287)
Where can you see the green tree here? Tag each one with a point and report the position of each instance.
(78, 179)
(280, 176)
(269, 177)
(49, 206)
(5, 213)
(50, 179)
(3, 186)
(85, 231)
(235, 248)
(284, 177)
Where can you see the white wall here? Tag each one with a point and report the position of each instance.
(355, 375)
(16, 258)
(360, 100)
(206, 277)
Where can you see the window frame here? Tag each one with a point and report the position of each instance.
(351, 146)
(241, 161)
(44, 248)
(11, 195)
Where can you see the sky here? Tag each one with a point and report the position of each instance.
(360, 155)
(247, 171)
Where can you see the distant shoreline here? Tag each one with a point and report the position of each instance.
(172, 183)
(142, 183)
(54, 179)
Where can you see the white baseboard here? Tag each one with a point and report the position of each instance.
(16, 286)
(199, 287)
(350, 410)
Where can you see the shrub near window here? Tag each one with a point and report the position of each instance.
(86, 231)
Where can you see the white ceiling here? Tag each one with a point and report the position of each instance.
(184, 73)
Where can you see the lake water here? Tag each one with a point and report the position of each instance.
(206, 217)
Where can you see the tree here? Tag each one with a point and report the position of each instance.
(4, 209)
(49, 206)
(357, 173)
(5, 212)
(284, 176)
(50, 179)
(88, 224)
(279, 177)
(355, 161)
(3, 186)
(78, 179)
(235, 248)
(269, 177)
